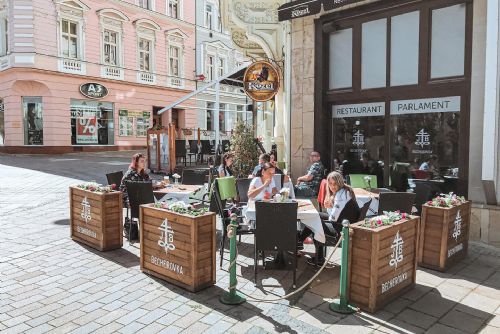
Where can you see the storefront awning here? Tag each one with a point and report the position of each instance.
(301, 8)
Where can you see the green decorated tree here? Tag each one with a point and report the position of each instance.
(246, 152)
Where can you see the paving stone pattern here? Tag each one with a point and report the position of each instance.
(51, 284)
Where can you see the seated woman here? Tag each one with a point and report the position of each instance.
(340, 202)
(225, 167)
(136, 172)
(262, 186)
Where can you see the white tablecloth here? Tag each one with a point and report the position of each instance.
(309, 217)
(178, 195)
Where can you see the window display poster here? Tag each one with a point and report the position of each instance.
(86, 130)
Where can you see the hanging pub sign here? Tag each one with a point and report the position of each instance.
(93, 90)
(261, 81)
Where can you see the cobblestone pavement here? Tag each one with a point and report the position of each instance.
(50, 283)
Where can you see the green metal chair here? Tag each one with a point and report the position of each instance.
(281, 165)
(358, 181)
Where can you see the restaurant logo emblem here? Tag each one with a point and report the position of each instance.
(86, 210)
(457, 230)
(166, 237)
(358, 138)
(261, 81)
(93, 90)
(397, 251)
(300, 11)
(423, 139)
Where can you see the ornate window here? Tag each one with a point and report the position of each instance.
(175, 56)
(111, 26)
(210, 67)
(71, 28)
(146, 39)
(209, 16)
(221, 66)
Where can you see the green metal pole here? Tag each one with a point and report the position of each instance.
(232, 297)
(342, 305)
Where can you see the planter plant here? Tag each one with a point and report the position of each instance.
(382, 259)
(96, 215)
(246, 152)
(444, 234)
(178, 244)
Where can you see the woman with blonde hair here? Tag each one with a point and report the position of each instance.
(340, 202)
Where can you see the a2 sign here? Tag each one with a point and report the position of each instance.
(93, 90)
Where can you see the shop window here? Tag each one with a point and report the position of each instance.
(142, 126)
(33, 121)
(448, 42)
(70, 39)
(210, 115)
(222, 117)
(92, 123)
(4, 36)
(374, 54)
(422, 129)
(341, 59)
(145, 55)
(2, 123)
(126, 126)
(173, 8)
(111, 40)
(404, 49)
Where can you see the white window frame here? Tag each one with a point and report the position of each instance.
(116, 45)
(206, 15)
(4, 33)
(210, 69)
(69, 36)
(175, 38)
(180, 12)
(223, 67)
(151, 4)
(67, 10)
(112, 20)
(150, 52)
(171, 59)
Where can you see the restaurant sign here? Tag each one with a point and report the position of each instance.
(261, 81)
(93, 90)
(423, 106)
(358, 110)
(301, 8)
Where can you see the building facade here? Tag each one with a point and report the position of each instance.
(216, 57)
(58, 58)
(399, 82)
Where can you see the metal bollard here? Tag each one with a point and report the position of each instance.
(232, 297)
(341, 305)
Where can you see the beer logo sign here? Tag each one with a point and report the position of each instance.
(261, 81)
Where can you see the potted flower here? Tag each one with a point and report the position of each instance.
(176, 178)
(96, 215)
(178, 244)
(382, 259)
(444, 234)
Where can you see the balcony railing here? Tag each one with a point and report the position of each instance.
(175, 82)
(71, 66)
(146, 78)
(112, 72)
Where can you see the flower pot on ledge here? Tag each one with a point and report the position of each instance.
(444, 236)
(382, 263)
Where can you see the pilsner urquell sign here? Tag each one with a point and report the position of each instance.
(93, 90)
(261, 81)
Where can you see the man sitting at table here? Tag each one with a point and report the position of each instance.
(308, 185)
(340, 202)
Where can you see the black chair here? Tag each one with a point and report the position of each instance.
(139, 192)
(242, 186)
(115, 178)
(273, 220)
(394, 201)
(423, 193)
(224, 212)
(194, 176)
(180, 150)
(364, 210)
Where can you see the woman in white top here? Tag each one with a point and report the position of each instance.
(262, 186)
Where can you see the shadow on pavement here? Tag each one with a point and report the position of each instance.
(61, 222)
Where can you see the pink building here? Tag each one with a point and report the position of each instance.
(59, 58)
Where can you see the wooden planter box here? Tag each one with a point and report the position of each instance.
(376, 277)
(179, 249)
(96, 218)
(444, 236)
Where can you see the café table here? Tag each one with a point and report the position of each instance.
(364, 195)
(306, 213)
(288, 184)
(179, 192)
